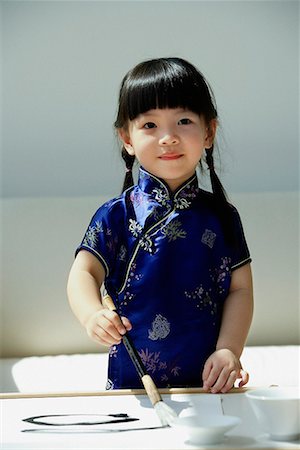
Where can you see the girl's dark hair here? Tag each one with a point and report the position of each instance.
(168, 83)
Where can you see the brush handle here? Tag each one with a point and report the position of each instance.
(147, 381)
(135, 357)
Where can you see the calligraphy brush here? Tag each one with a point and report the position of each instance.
(165, 413)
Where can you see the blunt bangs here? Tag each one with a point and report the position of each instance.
(164, 83)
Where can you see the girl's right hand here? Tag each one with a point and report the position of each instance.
(105, 327)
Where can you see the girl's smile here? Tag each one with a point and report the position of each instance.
(168, 142)
(170, 156)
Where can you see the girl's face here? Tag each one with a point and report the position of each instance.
(169, 143)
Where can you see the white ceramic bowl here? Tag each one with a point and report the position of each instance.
(278, 411)
(207, 429)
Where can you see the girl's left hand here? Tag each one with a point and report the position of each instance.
(221, 370)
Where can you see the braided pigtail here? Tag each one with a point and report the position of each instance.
(129, 161)
(217, 187)
(223, 207)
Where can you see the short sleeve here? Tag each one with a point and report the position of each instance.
(101, 236)
(241, 254)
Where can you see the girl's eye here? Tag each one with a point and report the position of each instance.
(149, 125)
(184, 121)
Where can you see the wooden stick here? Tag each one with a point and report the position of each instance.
(116, 392)
(146, 379)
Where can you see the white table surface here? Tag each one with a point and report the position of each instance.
(247, 435)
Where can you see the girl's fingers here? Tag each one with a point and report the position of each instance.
(100, 340)
(107, 328)
(126, 323)
(229, 383)
(245, 378)
(111, 327)
(104, 331)
(114, 322)
(102, 337)
(205, 373)
(220, 372)
(211, 379)
(224, 381)
(122, 325)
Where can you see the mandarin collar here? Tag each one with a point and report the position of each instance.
(157, 189)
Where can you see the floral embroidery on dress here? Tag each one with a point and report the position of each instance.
(146, 244)
(182, 203)
(128, 295)
(219, 274)
(173, 231)
(162, 365)
(224, 268)
(112, 240)
(137, 198)
(133, 275)
(122, 253)
(208, 238)
(91, 236)
(135, 228)
(202, 299)
(161, 196)
(152, 362)
(175, 371)
(158, 213)
(188, 193)
(150, 359)
(113, 351)
(160, 328)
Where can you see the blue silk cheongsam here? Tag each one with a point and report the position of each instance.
(168, 269)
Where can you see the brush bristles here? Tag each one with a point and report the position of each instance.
(165, 413)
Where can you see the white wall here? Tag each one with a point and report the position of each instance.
(271, 222)
(64, 61)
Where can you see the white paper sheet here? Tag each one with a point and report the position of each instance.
(245, 436)
(92, 437)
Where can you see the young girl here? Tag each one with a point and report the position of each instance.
(172, 256)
